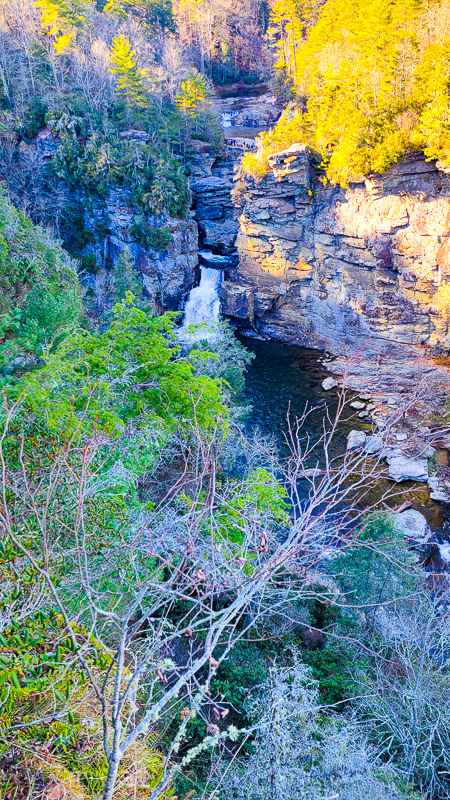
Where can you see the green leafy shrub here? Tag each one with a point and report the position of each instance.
(151, 238)
(228, 357)
(40, 294)
(381, 566)
(163, 396)
(330, 667)
(89, 262)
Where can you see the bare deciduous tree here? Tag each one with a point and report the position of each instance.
(167, 592)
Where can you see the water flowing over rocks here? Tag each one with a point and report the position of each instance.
(203, 305)
(244, 117)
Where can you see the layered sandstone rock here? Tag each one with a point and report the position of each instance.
(332, 267)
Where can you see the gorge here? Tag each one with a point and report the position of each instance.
(224, 417)
(359, 273)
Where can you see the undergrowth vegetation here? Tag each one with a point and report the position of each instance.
(40, 297)
(174, 623)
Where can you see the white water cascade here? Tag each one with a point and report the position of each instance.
(203, 303)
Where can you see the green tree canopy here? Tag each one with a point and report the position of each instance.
(372, 78)
(40, 297)
(130, 381)
(130, 78)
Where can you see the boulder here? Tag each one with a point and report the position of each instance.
(373, 445)
(444, 551)
(438, 491)
(329, 383)
(356, 404)
(313, 472)
(356, 439)
(412, 525)
(405, 468)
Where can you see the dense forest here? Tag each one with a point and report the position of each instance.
(370, 81)
(187, 608)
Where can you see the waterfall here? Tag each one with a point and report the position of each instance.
(203, 303)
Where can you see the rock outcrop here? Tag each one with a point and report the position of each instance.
(215, 212)
(168, 275)
(341, 268)
(216, 215)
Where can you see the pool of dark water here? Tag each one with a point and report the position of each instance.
(281, 380)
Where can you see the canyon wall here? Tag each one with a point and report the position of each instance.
(330, 267)
(168, 274)
(215, 212)
(110, 220)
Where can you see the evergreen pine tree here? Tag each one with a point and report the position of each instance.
(130, 78)
(126, 278)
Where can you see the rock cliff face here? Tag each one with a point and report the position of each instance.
(215, 212)
(168, 275)
(331, 267)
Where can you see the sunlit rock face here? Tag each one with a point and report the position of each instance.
(328, 266)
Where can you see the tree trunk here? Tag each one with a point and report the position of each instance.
(111, 778)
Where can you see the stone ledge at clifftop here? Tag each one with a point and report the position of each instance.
(329, 267)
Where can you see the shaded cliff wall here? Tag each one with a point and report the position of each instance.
(215, 211)
(167, 275)
(327, 266)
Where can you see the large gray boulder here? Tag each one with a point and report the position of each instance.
(405, 468)
(355, 439)
(412, 525)
(439, 490)
(329, 383)
(374, 445)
